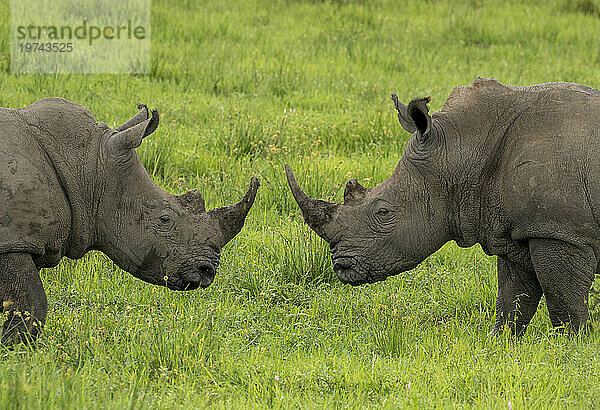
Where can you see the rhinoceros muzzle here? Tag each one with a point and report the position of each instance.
(195, 277)
(345, 270)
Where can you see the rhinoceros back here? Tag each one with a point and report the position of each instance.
(539, 148)
(34, 212)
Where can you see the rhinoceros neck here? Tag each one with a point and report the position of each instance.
(124, 199)
(70, 137)
(478, 135)
(465, 212)
(421, 184)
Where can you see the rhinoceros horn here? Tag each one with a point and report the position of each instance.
(316, 213)
(193, 201)
(354, 192)
(231, 218)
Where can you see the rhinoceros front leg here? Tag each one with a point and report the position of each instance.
(23, 298)
(519, 294)
(566, 273)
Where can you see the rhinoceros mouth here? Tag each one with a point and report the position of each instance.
(351, 277)
(346, 270)
(355, 277)
(351, 272)
(193, 277)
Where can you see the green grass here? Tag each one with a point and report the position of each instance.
(244, 87)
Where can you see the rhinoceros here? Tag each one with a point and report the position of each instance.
(513, 168)
(69, 185)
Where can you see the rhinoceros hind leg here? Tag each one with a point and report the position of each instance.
(566, 273)
(23, 298)
(519, 294)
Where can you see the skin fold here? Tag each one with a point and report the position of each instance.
(512, 168)
(69, 184)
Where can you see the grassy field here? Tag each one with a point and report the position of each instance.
(244, 87)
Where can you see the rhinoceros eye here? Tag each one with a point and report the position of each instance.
(165, 221)
(383, 212)
(383, 216)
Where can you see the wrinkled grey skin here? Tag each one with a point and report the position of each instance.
(515, 169)
(69, 185)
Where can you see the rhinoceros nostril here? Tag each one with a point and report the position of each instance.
(198, 276)
(345, 270)
(342, 264)
(190, 280)
(207, 274)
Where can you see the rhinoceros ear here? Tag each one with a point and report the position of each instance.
(403, 117)
(132, 137)
(137, 118)
(418, 111)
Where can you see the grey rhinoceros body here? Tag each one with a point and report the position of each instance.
(515, 169)
(69, 185)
